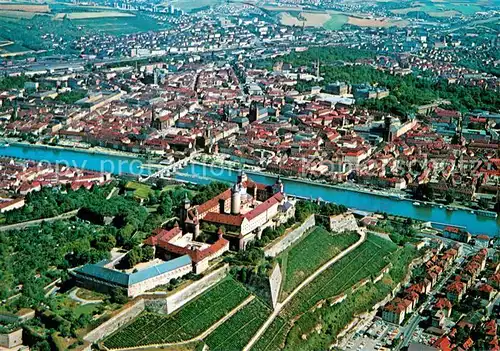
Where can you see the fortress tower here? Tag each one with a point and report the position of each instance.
(236, 199)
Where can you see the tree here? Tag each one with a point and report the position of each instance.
(483, 203)
(166, 205)
(118, 296)
(449, 197)
(133, 257)
(148, 253)
(42, 346)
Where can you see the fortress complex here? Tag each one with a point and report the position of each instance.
(243, 211)
(239, 215)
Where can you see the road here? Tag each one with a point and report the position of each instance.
(39, 221)
(416, 318)
(73, 295)
(171, 168)
(309, 279)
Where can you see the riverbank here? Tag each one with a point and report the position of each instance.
(92, 150)
(361, 199)
(397, 195)
(95, 160)
(356, 198)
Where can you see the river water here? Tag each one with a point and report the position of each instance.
(118, 164)
(353, 199)
(115, 164)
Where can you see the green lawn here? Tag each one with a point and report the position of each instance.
(140, 190)
(302, 259)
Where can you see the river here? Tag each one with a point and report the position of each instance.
(118, 164)
(354, 199)
(78, 158)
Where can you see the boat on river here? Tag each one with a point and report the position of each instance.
(487, 213)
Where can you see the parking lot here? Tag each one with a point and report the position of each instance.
(375, 335)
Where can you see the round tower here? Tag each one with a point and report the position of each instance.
(235, 199)
(242, 177)
(278, 186)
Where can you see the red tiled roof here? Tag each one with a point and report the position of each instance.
(491, 327)
(443, 303)
(264, 206)
(486, 288)
(214, 201)
(223, 218)
(495, 278)
(5, 204)
(443, 344)
(456, 287)
(162, 235)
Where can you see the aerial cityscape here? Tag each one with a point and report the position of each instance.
(241, 175)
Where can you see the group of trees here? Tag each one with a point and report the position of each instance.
(209, 191)
(7, 83)
(326, 55)
(269, 234)
(136, 255)
(70, 97)
(304, 209)
(401, 231)
(32, 257)
(252, 268)
(51, 202)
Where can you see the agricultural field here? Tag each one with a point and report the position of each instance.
(24, 7)
(237, 331)
(382, 23)
(68, 23)
(333, 20)
(91, 15)
(273, 336)
(17, 14)
(190, 5)
(316, 328)
(438, 9)
(319, 247)
(119, 25)
(366, 260)
(336, 22)
(189, 322)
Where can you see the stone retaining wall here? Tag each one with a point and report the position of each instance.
(288, 239)
(180, 298)
(113, 324)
